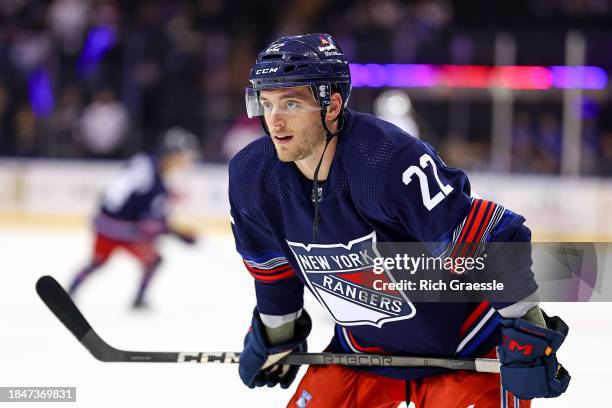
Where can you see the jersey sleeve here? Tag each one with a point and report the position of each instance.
(278, 290)
(435, 205)
(137, 176)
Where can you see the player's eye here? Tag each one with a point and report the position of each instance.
(292, 105)
(267, 106)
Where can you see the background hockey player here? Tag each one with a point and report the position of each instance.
(327, 179)
(133, 211)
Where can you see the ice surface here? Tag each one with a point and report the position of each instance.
(201, 301)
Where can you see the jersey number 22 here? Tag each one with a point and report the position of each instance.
(428, 201)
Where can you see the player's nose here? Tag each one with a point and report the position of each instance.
(276, 121)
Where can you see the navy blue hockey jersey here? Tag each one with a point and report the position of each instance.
(134, 206)
(383, 186)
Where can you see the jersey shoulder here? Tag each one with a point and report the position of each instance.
(137, 178)
(252, 174)
(142, 164)
(371, 149)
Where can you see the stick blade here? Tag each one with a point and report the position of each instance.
(59, 302)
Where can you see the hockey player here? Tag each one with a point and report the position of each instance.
(133, 210)
(325, 183)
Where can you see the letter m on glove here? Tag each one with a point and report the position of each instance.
(514, 345)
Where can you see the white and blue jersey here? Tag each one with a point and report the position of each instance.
(134, 206)
(383, 186)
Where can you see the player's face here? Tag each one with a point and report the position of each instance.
(175, 170)
(293, 118)
(177, 162)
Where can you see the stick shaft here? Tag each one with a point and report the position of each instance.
(59, 302)
(104, 352)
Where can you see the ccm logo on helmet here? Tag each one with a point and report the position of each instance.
(266, 71)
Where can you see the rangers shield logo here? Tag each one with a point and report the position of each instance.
(341, 278)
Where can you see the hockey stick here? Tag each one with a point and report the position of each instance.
(59, 302)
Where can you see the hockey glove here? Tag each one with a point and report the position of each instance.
(528, 356)
(257, 361)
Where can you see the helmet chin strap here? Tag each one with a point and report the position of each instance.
(315, 185)
(262, 122)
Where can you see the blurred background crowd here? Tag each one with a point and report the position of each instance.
(103, 78)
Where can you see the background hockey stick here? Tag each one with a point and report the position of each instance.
(56, 298)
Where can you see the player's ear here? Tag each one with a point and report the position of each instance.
(335, 107)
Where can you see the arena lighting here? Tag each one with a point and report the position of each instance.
(99, 41)
(40, 93)
(477, 76)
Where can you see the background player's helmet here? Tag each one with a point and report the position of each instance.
(178, 140)
(311, 59)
